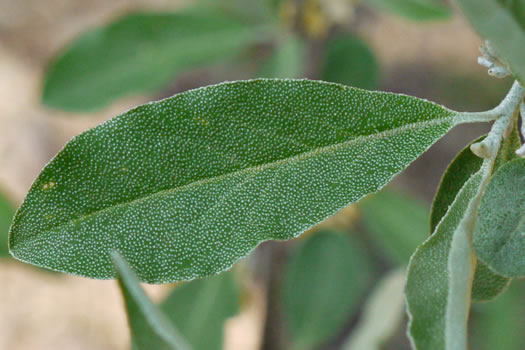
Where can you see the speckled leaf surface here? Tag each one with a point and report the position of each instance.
(185, 187)
(140, 52)
(487, 284)
(150, 328)
(503, 23)
(418, 10)
(323, 285)
(7, 213)
(396, 223)
(427, 288)
(199, 309)
(499, 239)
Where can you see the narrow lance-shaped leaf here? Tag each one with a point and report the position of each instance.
(6, 216)
(141, 52)
(487, 284)
(499, 239)
(200, 309)
(150, 329)
(185, 187)
(322, 287)
(503, 23)
(428, 285)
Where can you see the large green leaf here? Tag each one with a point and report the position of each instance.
(396, 223)
(418, 10)
(487, 284)
(323, 284)
(503, 23)
(6, 216)
(288, 60)
(140, 52)
(429, 281)
(150, 328)
(499, 239)
(200, 309)
(185, 187)
(349, 61)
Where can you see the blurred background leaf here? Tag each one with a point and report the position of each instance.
(397, 223)
(382, 314)
(7, 211)
(141, 52)
(418, 10)
(199, 309)
(323, 284)
(500, 323)
(287, 60)
(349, 61)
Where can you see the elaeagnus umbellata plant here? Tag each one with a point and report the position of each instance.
(183, 188)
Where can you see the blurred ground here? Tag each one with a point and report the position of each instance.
(49, 311)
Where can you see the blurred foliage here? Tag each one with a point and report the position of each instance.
(349, 61)
(287, 61)
(323, 283)
(143, 52)
(418, 10)
(200, 309)
(397, 224)
(499, 324)
(7, 211)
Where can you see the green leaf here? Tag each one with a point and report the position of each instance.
(428, 280)
(499, 239)
(185, 187)
(7, 213)
(396, 223)
(503, 23)
(323, 283)
(487, 284)
(418, 10)
(200, 309)
(150, 328)
(349, 61)
(499, 323)
(462, 167)
(288, 60)
(138, 53)
(382, 314)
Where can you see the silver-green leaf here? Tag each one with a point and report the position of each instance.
(429, 281)
(150, 328)
(499, 238)
(186, 186)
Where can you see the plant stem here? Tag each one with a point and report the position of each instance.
(506, 107)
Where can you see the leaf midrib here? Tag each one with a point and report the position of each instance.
(451, 118)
